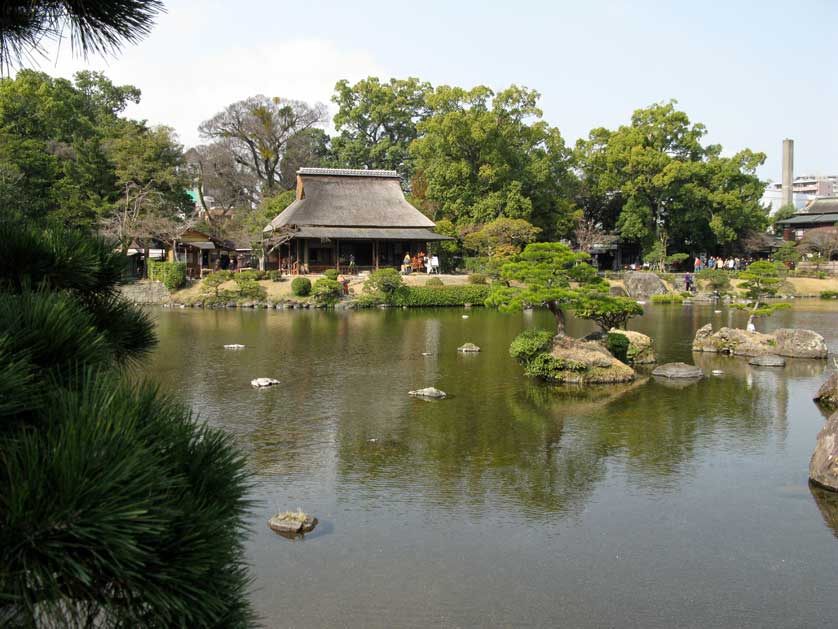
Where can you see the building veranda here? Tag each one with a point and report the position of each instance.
(341, 216)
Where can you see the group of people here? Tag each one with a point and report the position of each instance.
(419, 262)
(729, 264)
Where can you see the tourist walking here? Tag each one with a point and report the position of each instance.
(688, 282)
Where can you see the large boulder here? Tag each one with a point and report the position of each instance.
(641, 349)
(783, 342)
(679, 371)
(823, 468)
(643, 284)
(574, 361)
(827, 395)
(799, 343)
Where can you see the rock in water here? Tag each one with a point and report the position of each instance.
(292, 523)
(783, 342)
(799, 343)
(234, 346)
(718, 372)
(768, 360)
(428, 392)
(823, 468)
(827, 395)
(574, 361)
(260, 383)
(643, 284)
(465, 316)
(468, 347)
(641, 350)
(679, 370)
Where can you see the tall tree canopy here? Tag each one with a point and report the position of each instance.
(654, 181)
(257, 130)
(376, 122)
(482, 156)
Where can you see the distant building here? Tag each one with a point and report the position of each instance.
(804, 191)
(821, 212)
(344, 214)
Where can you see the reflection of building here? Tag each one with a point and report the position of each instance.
(340, 213)
(822, 212)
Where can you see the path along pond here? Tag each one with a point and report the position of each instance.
(515, 503)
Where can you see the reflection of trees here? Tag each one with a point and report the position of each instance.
(827, 502)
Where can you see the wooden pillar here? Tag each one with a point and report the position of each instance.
(337, 254)
(375, 253)
(305, 252)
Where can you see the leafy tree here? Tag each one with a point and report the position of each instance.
(482, 156)
(326, 292)
(117, 507)
(246, 227)
(447, 250)
(376, 122)
(548, 275)
(509, 232)
(786, 211)
(605, 310)
(100, 26)
(386, 283)
(309, 147)
(257, 130)
(762, 281)
(787, 253)
(716, 279)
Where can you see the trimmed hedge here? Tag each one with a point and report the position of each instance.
(829, 294)
(668, 298)
(432, 296)
(331, 274)
(618, 345)
(301, 286)
(529, 344)
(172, 274)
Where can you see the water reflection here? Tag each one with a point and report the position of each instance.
(827, 502)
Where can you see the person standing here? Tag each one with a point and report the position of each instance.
(697, 264)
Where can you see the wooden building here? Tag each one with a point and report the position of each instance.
(822, 212)
(202, 253)
(343, 214)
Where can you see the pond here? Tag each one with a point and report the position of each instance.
(515, 503)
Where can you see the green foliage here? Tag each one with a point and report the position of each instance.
(274, 275)
(606, 310)
(434, 281)
(250, 274)
(829, 294)
(549, 367)
(668, 298)
(762, 280)
(716, 279)
(172, 274)
(211, 285)
(331, 274)
(782, 213)
(481, 156)
(301, 286)
(386, 283)
(529, 343)
(618, 345)
(117, 507)
(249, 289)
(477, 278)
(326, 292)
(552, 277)
(787, 252)
(433, 296)
(509, 232)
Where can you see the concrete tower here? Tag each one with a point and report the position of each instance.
(788, 171)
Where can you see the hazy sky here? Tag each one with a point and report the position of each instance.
(752, 72)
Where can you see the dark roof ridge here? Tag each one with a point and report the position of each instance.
(348, 172)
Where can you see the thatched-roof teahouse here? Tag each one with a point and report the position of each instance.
(340, 213)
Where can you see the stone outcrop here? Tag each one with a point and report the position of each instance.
(641, 349)
(617, 291)
(145, 292)
(827, 395)
(429, 393)
(679, 371)
(823, 467)
(292, 523)
(768, 360)
(640, 284)
(783, 342)
(572, 361)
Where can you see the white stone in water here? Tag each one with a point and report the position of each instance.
(465, 316)
(642, 303)
(717, 311)
(259, 383)
(468, 347)
(426, 353)
(234, 346)
(428, 392)
(718, 372)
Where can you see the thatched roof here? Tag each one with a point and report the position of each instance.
(342, 198)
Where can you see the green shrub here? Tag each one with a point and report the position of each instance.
(548, 367)
(716, 279)
(301, 286)
(387, 283)
(250, 274)
(618, 345)
(430, 296)
(331, 274)
(434, 281)
(529, 343)
(250, 289)
(172, 274)
(668, 298)
(476, 264)
(367, 300)
(326, 292)
(829, 294)
(274, 275)
(477, 278)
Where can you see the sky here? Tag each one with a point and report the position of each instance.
(752, 72)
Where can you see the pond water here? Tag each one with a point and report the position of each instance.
(515, 503)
